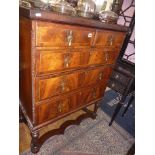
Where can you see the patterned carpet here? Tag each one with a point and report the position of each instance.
(95, 137)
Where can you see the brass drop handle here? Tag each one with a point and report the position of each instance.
(101, 76)
(106, 56)
(110, 40)
(69, 37)
(66, 60)
(60, 107)
(62, 85)
(94, 93)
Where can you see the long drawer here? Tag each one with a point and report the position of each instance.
(65, 104)
(61, 60)
(56, 85)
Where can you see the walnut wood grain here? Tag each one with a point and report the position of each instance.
(47, 87)
(56, 35)
(25, 80)
(49, 110)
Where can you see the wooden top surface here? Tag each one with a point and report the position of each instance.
(37, 14)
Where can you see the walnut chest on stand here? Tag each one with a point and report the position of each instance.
(65, 64)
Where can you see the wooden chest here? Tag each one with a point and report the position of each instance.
(65, 63)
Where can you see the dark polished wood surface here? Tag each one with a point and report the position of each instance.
(60, 18)
(64, 66)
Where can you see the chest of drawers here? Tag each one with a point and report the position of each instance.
(65, 63)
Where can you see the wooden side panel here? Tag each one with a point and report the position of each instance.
(25, 81)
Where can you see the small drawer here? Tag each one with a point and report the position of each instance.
(88, 95)
(51, 110)
(58, 35)
(52, 86)
(94, 76)
(109, 38)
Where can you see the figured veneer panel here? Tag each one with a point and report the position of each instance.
(111, 56)
(57, 35)
(51, 110)
(58, 107)
(58, 60)
(51, 86)
(108, 38)
(48, 87)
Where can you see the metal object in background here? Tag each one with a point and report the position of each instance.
(127, 18)
(86, 8)
(116, 7)
(124, 69)
(63, 7)
(73, 3)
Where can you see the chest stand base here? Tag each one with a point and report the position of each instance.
(37, 141)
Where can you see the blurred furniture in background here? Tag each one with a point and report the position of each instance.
(122, 79)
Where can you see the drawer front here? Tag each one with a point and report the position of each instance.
(94, 76)
(58, 107)
(50, 110)
(109, 38)
(111, 55)
(50, 87)
(87, 95)
(57, 35)
(56, 60)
